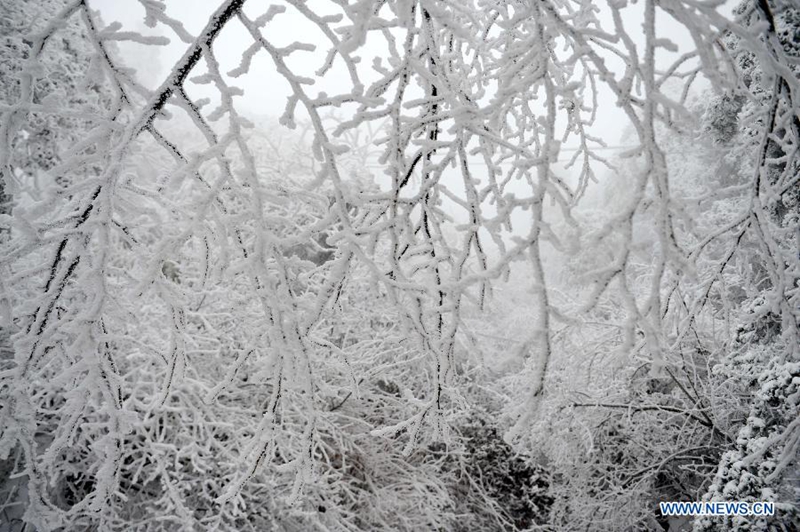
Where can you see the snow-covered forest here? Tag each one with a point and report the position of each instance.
(347, 265)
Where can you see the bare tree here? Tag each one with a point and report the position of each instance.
(179, 361)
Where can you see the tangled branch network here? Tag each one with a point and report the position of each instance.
(184, 292)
